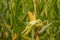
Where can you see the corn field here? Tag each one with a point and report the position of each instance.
(29, 19)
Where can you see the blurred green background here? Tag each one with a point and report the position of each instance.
(14, 18)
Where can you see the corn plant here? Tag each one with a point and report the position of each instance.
(29, 19)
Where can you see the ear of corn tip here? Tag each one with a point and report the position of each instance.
(31, 17)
